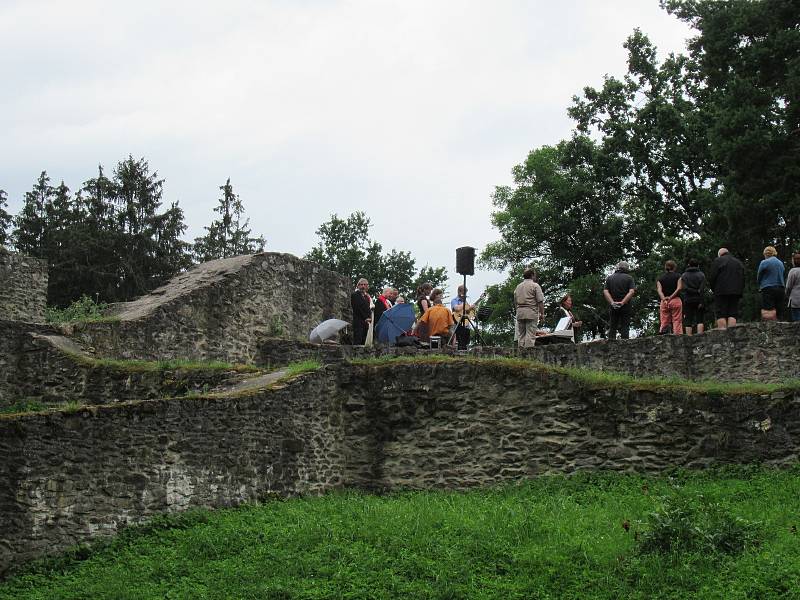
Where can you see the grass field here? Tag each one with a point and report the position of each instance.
(717, 534)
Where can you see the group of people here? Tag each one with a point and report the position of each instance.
(682, 295)
(681, 301)
(434, 318)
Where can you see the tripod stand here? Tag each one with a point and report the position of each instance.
(463, 320)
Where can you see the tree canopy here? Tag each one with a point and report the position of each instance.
(229, 235)
(344, 246)
(678, 157)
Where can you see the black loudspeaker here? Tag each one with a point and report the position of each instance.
(465, 260)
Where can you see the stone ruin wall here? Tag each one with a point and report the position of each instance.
(70, 477)
(764, 352)
(33, 361)
(23, 287)
(222, 315)
(73, 476)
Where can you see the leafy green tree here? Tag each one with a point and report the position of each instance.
(747, 56)
(560, 201)
(671, 161)
(437, 277)
(344, 246)
(5, 219)
(229, 235)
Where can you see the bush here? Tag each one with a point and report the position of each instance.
(693, 524)
(83, 309)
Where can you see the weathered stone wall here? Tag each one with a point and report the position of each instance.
(220, 310)
(38, 363)
(765, 352)
(14, 337)
(69, 477)
(23, 287)
(460, 425)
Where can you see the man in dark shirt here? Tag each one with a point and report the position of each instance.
(618, 291)
(726, 279)
(362, 314)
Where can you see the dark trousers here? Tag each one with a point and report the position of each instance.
(359, 333)
(619, 320)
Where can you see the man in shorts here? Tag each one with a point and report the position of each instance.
(726, 279)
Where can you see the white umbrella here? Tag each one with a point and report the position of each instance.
(327, 330)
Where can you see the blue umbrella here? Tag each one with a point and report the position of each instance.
(394, 322)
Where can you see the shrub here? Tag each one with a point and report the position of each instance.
(693, 524)
(82, 309)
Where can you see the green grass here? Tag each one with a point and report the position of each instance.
(297, 368)
(596, 379)
(23, 405)
(553, 537)
(139, 366)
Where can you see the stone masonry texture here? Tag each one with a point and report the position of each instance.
(219, 310)
(23, 287)
(69, 477)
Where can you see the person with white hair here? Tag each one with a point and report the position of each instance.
(618, 292)
(726, 279)
(361, 304)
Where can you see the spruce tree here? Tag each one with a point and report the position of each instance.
(229, 235)
(31, 222)
(5, 219)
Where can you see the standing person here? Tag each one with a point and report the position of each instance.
(670, 311)
(423, 291)
(770, 284)
(565, 310)
(529, 302)
(360, 302)
(793, 287)
(618, 291)
(694, 284)
(726, 278)
(462, 331)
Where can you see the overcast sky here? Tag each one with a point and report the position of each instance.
(410, 111)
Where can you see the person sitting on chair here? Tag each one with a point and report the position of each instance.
(437, 320)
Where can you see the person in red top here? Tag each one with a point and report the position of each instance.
(383, 303)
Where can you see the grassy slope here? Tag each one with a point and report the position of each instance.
(553, 537)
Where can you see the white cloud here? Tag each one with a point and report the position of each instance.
(310, 107)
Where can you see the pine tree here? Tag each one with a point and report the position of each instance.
(227, 236)
(5, 219)
(31, 222)
(147, 243)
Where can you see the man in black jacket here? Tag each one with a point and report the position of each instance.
(618, 291)
(726, 279)
(362, 314)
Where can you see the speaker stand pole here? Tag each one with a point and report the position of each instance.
(465, 319)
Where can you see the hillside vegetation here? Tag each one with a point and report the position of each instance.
(724, 534)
